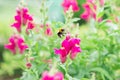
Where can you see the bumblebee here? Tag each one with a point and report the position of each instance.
(61, 32)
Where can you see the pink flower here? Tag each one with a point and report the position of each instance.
(30, 26)
(63, 54)
(16, 43)
(12, 45)
(57, 76)
(67, 3)
(28, 65)
(116, 19)
(109, 21)
(89, 11)
(69, 46)
(91, 1)
(85, 15)
(100, 19)
(20, 43)
(102, 2)
(41, 25)
(17, 24)
(21, 18)
(48, 30)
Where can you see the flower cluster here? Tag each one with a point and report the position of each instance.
(90, 10)
(23, 18)
(67, 3)
(48, 30)
(69, 46)
(57, 76)
(16, 43)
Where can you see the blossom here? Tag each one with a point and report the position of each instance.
(69, 46)
(30, 26)
(12, 45)
(57, 76)
(48, 30)
(20, 43)
(28, 65)
(91, 1)
(21, 18)
(16, 43)
(90, 10)
(102, 2)
(67, 3)
(116, 19)
(100, 19)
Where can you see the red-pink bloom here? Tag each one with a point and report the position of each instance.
(116, 19)
(91, 1)
(21, 18)
(102, 2)
(21, 46)
(109, 21)
(57, 76)
(30, 26)
(41, 25)
(90, 11)
(100, 19)
(63, 53)
(69, 46)
(12, 45)
(48, 30)
(67, 3)
(28, 65)
(16, 43)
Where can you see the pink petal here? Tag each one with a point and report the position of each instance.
(28, 65)
(67, 3)
(61, 51)
(89, 12)
(30, 26)
(18, 18)
(65, 44)
(11, 46)
(57, 51)
(46, 76)
(22, 47)
(91, 1)
(63, 58)
(48, 31)
(17, 25)
(85, 16)
(58, 76)
(63, 54)
(24, 10)
(74, 51)
(102, 2)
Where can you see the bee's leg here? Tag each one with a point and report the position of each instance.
(60, 36)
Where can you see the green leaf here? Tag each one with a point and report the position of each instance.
(100, 14)
(102, 71)
(75, 19)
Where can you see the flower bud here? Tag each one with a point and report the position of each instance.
(28, 65)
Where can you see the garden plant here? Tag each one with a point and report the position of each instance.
(83, 45)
